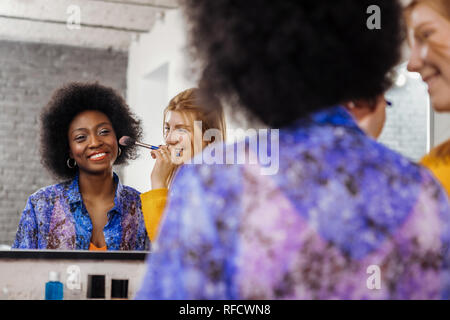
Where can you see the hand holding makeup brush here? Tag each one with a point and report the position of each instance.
(163, 168)
(128, 141)
(168, 158)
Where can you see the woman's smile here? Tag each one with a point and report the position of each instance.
(97, 156)
(428, 36)
(93, 143)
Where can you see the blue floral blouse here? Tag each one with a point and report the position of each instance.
(343, 218)
(55, 218)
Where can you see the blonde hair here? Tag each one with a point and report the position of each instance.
(441, 153)
(209, 112)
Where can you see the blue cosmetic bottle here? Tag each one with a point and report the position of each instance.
(53, 288)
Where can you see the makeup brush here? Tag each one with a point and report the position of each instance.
(127, 141)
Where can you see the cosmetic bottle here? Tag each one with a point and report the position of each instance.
(119, 289)
(96, 287)
(54, 288)
(73, 283)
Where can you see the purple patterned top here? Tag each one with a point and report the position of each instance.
(55, 217)
(344, 218)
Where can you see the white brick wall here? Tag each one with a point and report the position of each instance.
(29, 74)
(406, 128)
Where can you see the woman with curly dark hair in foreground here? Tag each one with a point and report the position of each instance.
(343, 217)
(80, 128)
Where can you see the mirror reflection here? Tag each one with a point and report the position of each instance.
(45, 49)
(95, 71)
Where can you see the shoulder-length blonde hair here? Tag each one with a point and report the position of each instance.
(210, 113)
(197, 108)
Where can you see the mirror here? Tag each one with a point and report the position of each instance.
(138, 48)
(44, 44)
(407, 127)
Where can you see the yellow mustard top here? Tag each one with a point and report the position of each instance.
(153, 204)
(438, 162)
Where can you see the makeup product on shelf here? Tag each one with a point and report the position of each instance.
(119, 289)
(54, 289)
(96, 286)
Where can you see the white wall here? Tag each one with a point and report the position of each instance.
(441, 126)
(407, 123)
(157, 71)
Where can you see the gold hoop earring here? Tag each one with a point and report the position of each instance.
(120, 152)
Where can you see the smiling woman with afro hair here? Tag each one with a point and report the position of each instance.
(80, 129)
(327, 213)
(71, 100)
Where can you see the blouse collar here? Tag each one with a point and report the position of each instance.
(335, 116)
(74, 195)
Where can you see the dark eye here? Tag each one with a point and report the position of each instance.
(80, 138)
(427, 33)
(104, 131)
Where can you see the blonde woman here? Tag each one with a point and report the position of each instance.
(428, 24)
(185, 116)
